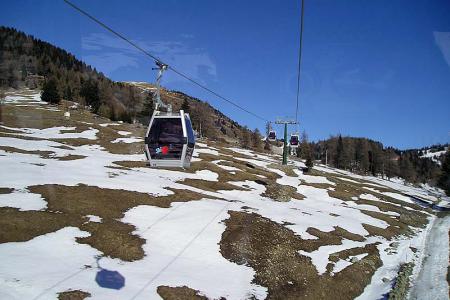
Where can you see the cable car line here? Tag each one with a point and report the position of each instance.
(157, 59)
(299, 59)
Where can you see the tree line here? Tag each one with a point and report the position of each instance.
(365, 156)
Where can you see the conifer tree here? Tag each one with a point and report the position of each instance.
(186, 106)
(147, 110)
(89, 90)
(50, 92)
(406, 169)
(305, 150)
(340, 159)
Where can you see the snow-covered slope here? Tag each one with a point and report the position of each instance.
(77, 199)
(434, 155)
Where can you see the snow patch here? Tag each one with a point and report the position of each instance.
(128, 140)
(94, 219)
(121, 132)
(23, 200)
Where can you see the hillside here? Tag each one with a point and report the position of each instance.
(29, 62)
(81, 215)
(207, 120)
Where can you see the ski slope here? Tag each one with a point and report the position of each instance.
(184, 242)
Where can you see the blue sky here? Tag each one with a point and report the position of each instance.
(378, 69)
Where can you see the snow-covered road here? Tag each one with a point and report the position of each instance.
(431, 282)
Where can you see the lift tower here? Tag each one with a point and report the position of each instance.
(285, 122)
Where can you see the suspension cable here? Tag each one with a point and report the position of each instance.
(299, 59)
(159, 60)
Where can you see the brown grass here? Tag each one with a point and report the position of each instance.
(30, 117)
(42, 154)
(333, 237)
(68, 206)
(20, 117)
(63, 147)
(20, 226)
(272, 250)
(73, 295)
(212, 186)
(131, 163)
(288, 170)
(4, 190)
(317, 185)
(282, 193)
(71, 157)
(179, 293)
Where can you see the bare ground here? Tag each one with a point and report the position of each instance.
(272, 251)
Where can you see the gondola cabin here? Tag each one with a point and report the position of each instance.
(170, 140)
(294, 141)
(272, 136)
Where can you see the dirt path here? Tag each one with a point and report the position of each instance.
(431, 282)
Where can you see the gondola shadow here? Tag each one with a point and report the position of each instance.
(109, 279)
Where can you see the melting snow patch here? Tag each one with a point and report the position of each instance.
(182, 248)
(255, 162)
(391, 263)
(227, 168)
(108, 124)
(197, 151)
(121, 132)
(316, 179)
(399, 197)
(32, 269)
(242, 151)
(341, 264)
(368, 197)
(207, 175)
(93, 218)
(55, 133)
(127, 140)
(23, 200)
(34, 98)
(320, 257)
(347, 179)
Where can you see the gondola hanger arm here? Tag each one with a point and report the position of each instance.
(161, 67)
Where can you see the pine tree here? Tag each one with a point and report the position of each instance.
(305, 150)
(406, 169)
(147, 109)
(50, 92)
(390, 164)
(89, 90)
(362, 155)
(444, 179)
(340, 160)
(186, 106)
